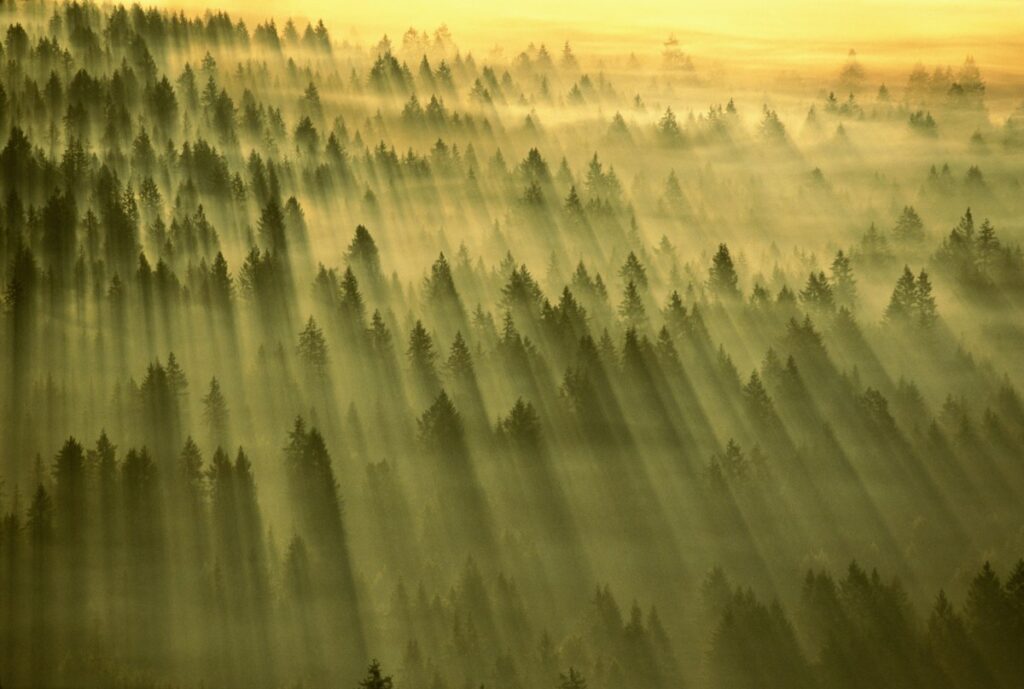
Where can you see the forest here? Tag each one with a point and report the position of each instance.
(400, 365)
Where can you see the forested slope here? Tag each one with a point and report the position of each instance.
(492, 367)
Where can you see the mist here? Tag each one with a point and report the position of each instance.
(338, 362)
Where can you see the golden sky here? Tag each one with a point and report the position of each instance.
(916, 29)
(811, 19)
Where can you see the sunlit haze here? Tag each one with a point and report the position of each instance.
(535, 345)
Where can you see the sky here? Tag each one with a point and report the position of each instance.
(804, 19)
(901, 32)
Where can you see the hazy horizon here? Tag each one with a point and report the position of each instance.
(904, 26)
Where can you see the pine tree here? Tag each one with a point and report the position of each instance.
(633, 271)
(573, 206)
(632, 307)
(985, 609)
(722, 278)
(522, 428)
(460, 361)
(440, 290)
(380, 336)
(272, 227)
(176, 376)
(818, 293)
(350, 301)
(757, 399)
(221, 284)
(844, 285)
(668, 129)
(988, 246)
(312, 349)
(951, 647)
(902, 304)
(924, 302)
(675, 313)
(375, 678)
(909, 226)
(440, 427)
(190, 464)
(69, 481)
(215, 412)
(422, 356)
(572, 680)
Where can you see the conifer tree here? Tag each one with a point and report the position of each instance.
(722, 278)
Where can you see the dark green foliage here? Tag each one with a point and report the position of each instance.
(422, 355)
(312, 349)
(912, 302)
(909, 226)
(722, 278)
(754, 645)
(818, 294)
(375, 679)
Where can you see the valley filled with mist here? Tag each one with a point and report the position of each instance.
(396, 364)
